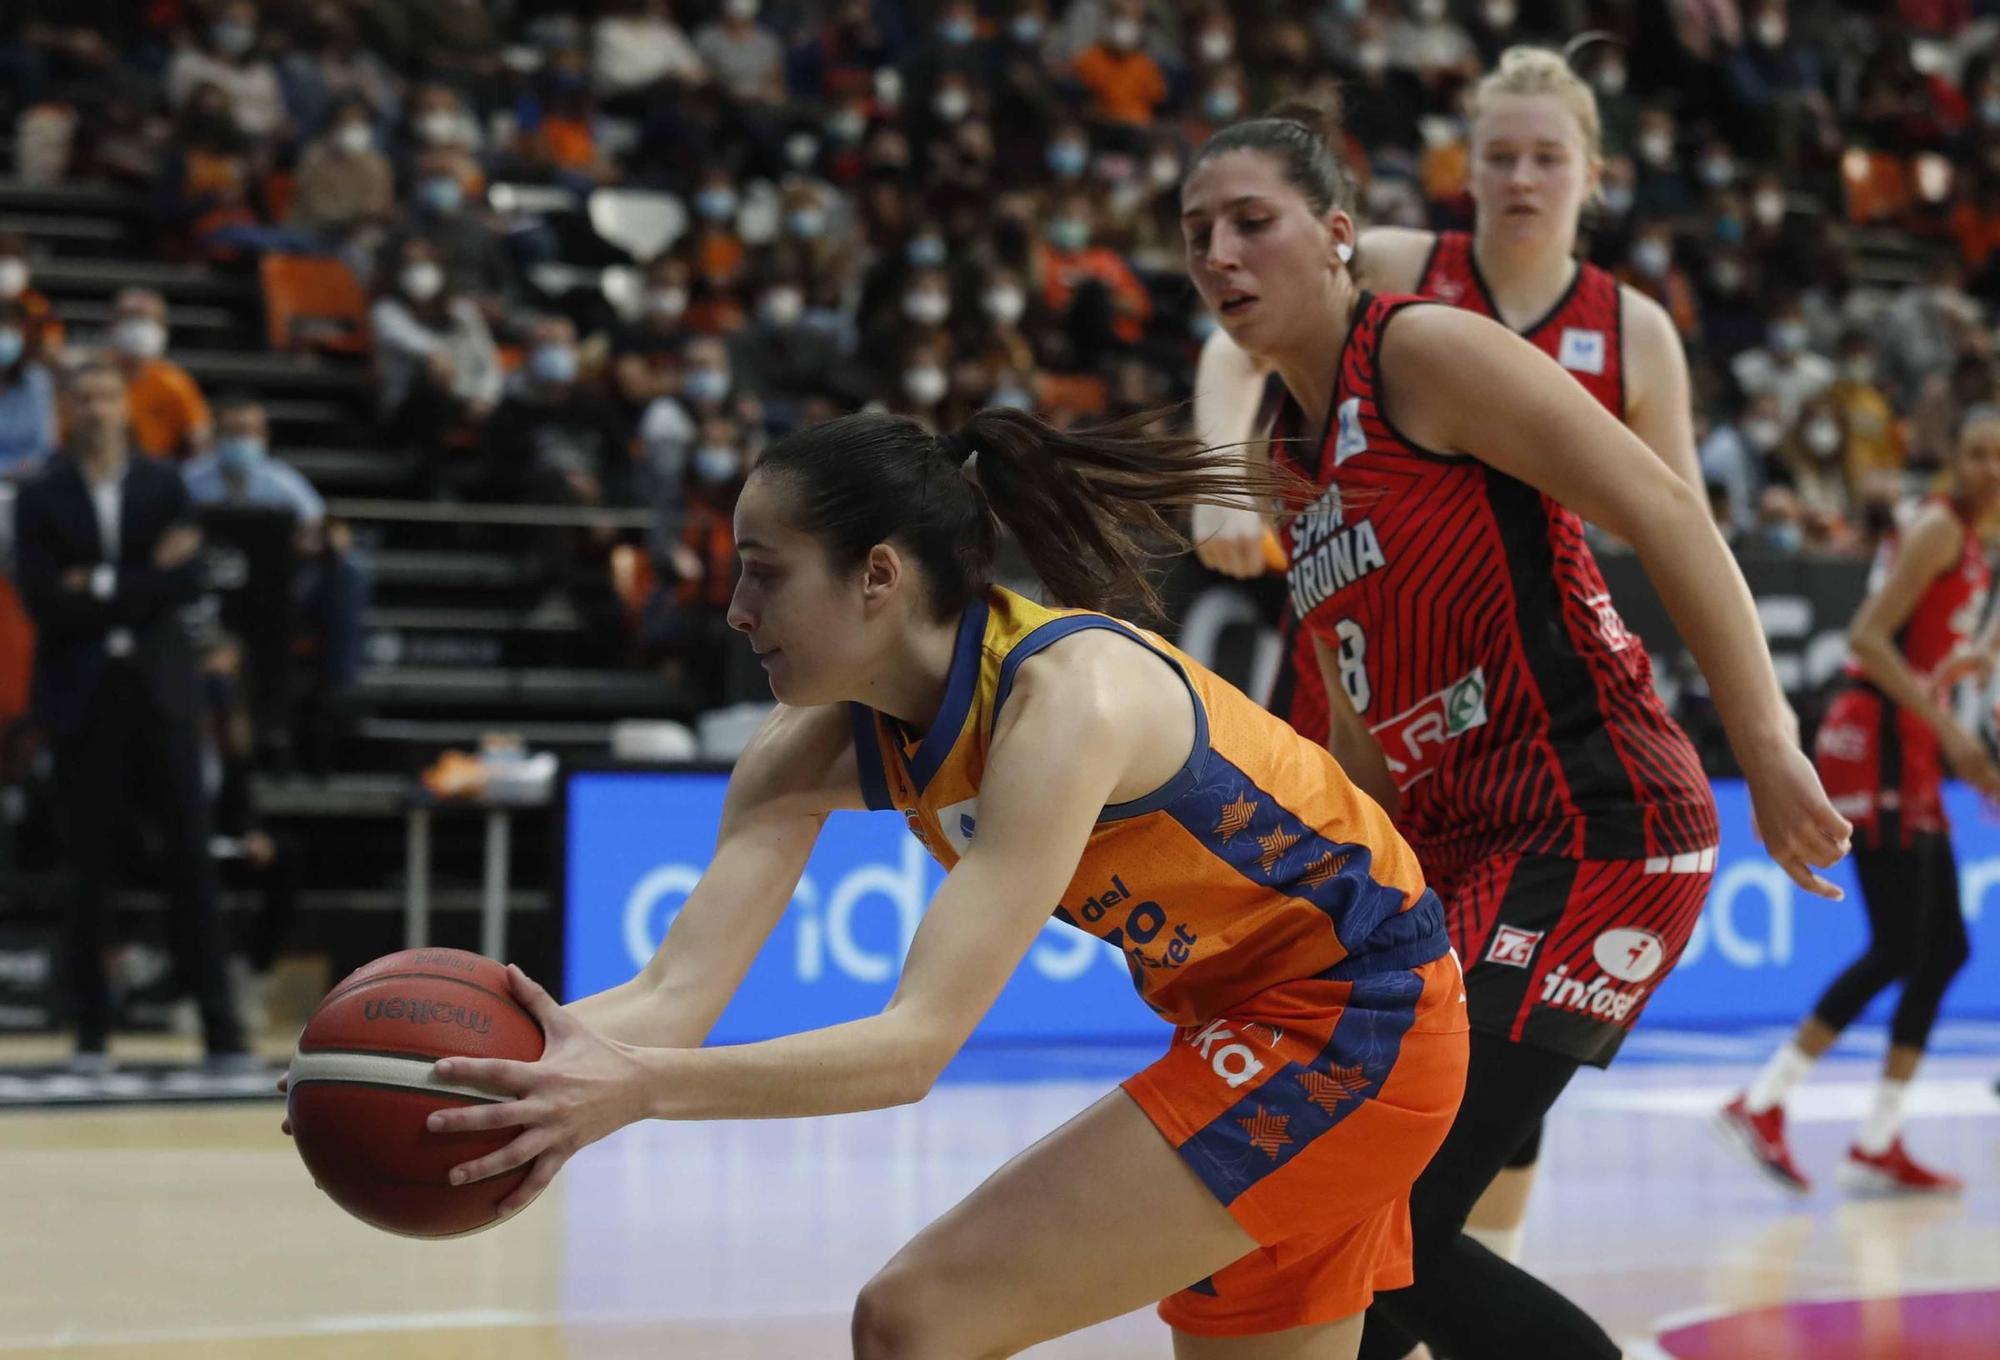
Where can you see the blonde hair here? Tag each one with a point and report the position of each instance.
(1542, 71)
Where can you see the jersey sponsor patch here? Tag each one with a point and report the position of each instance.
(1416, 738)
(1629, 955)
(1352, 439)
(1581, 351)
(1513, 946)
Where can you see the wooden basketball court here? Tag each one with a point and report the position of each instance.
(182, 1232)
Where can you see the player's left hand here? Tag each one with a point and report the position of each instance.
(584, 1087)
(1793, 817)
(1963, 662)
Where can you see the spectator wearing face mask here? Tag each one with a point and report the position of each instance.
(439, 121)
(645, 353)
(1925, 326)
(1650, 268)
(1384, 101)
(346, 189)
(1088, 289)
(1428, 43)
(441, 210)
(922, 313)
(745, 58)
(329, 68)
(1022, 86)
(922, 383)
(684, 629)
(1873, 446)
(1732, 455)
(437, 367)
(1783, 366)
(335, 582)
(169, 416)
(227, 57)
(1971, 380)
(27, 399)
(41, 327)
(1811, 458)
(1663, 190)
(782, 358)
(1732, 316)
(1776, 86)
(717, 253)
(1126, 86)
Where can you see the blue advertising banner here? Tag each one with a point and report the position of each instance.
(637, 841)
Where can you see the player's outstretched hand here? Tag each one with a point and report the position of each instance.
(584, 1087)
(1797, 824)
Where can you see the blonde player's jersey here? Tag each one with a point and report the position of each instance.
(1258, 863)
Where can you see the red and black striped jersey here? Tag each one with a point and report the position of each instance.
(1948, 611)
(1581, 332)
(1478, 641)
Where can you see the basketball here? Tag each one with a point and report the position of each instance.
(362, 1087)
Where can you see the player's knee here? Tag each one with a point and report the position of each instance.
(899, 1315)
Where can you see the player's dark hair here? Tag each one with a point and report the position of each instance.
(1088, 507)
(1302, 136)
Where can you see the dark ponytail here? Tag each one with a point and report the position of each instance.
(1090, 508)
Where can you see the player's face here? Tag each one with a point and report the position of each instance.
(805, 621)
(1531, 174)
(1257, 254)
(1976, 463)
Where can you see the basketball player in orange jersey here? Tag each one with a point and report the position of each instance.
(1882, 749)
(1480, 681)
(1536, 154)
(1254, 1180)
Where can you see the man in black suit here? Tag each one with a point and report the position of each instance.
(106, 557)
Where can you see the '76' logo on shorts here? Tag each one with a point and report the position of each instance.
(1513, 946)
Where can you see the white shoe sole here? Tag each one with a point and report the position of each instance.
(1866, 1181)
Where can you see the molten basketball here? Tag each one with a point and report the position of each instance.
(362, 1087)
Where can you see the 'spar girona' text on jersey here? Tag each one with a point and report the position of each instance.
(1327, 554)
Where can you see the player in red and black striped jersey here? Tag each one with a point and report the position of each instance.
(1456, 611)
(1535, 146)
(1882, 750)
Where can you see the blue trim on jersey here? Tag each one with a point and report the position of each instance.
(959, 691)
(1273, 849)
(1057, 629)
(868, 760)
(1300, 1102)
(1409, 939)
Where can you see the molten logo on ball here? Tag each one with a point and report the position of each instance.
(416, 1010)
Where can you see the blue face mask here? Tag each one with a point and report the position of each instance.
(554, 364)
(926, 252)
(957, 32)
(715, 464)
(716, 205)
(442, 194)
(1067, 233)
(239, 456)
(11, 345)
(705, 384)
(1067, 159)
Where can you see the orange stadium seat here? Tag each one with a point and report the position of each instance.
(313, 302)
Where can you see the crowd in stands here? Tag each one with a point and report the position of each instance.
(931, 208)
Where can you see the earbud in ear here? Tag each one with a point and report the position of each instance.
(1344, 251)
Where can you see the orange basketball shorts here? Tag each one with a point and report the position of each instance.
(1308, 1110)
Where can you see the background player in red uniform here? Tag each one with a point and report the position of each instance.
(1255, 1178)
(1881, 751)
(1445, 575)
(1536, 157)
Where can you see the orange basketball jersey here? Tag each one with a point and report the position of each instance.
(1259, 863)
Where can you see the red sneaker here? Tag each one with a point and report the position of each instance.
(1762, 1136)
(1891, 1172)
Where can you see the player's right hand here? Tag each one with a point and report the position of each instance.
(1229, 540)
(1793, 817)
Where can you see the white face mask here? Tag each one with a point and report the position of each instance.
(353, 138)
(1430, 11)
(782, 306)
(925, 386)
(1823, 436)
(1005, 304)
(1122, 34)
(1499, 13)
(667, 302)
(1858, 371)
(1656, 148)
(1771, 30)
(1651, 257)
(141, 337)
(926, 308)
(1769, 206)
(1216, 45)
(1763, 433)
(422, 281)
(1164, 170)
(952, 104)
(13, 276)
(438, 127)
(740, 9)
